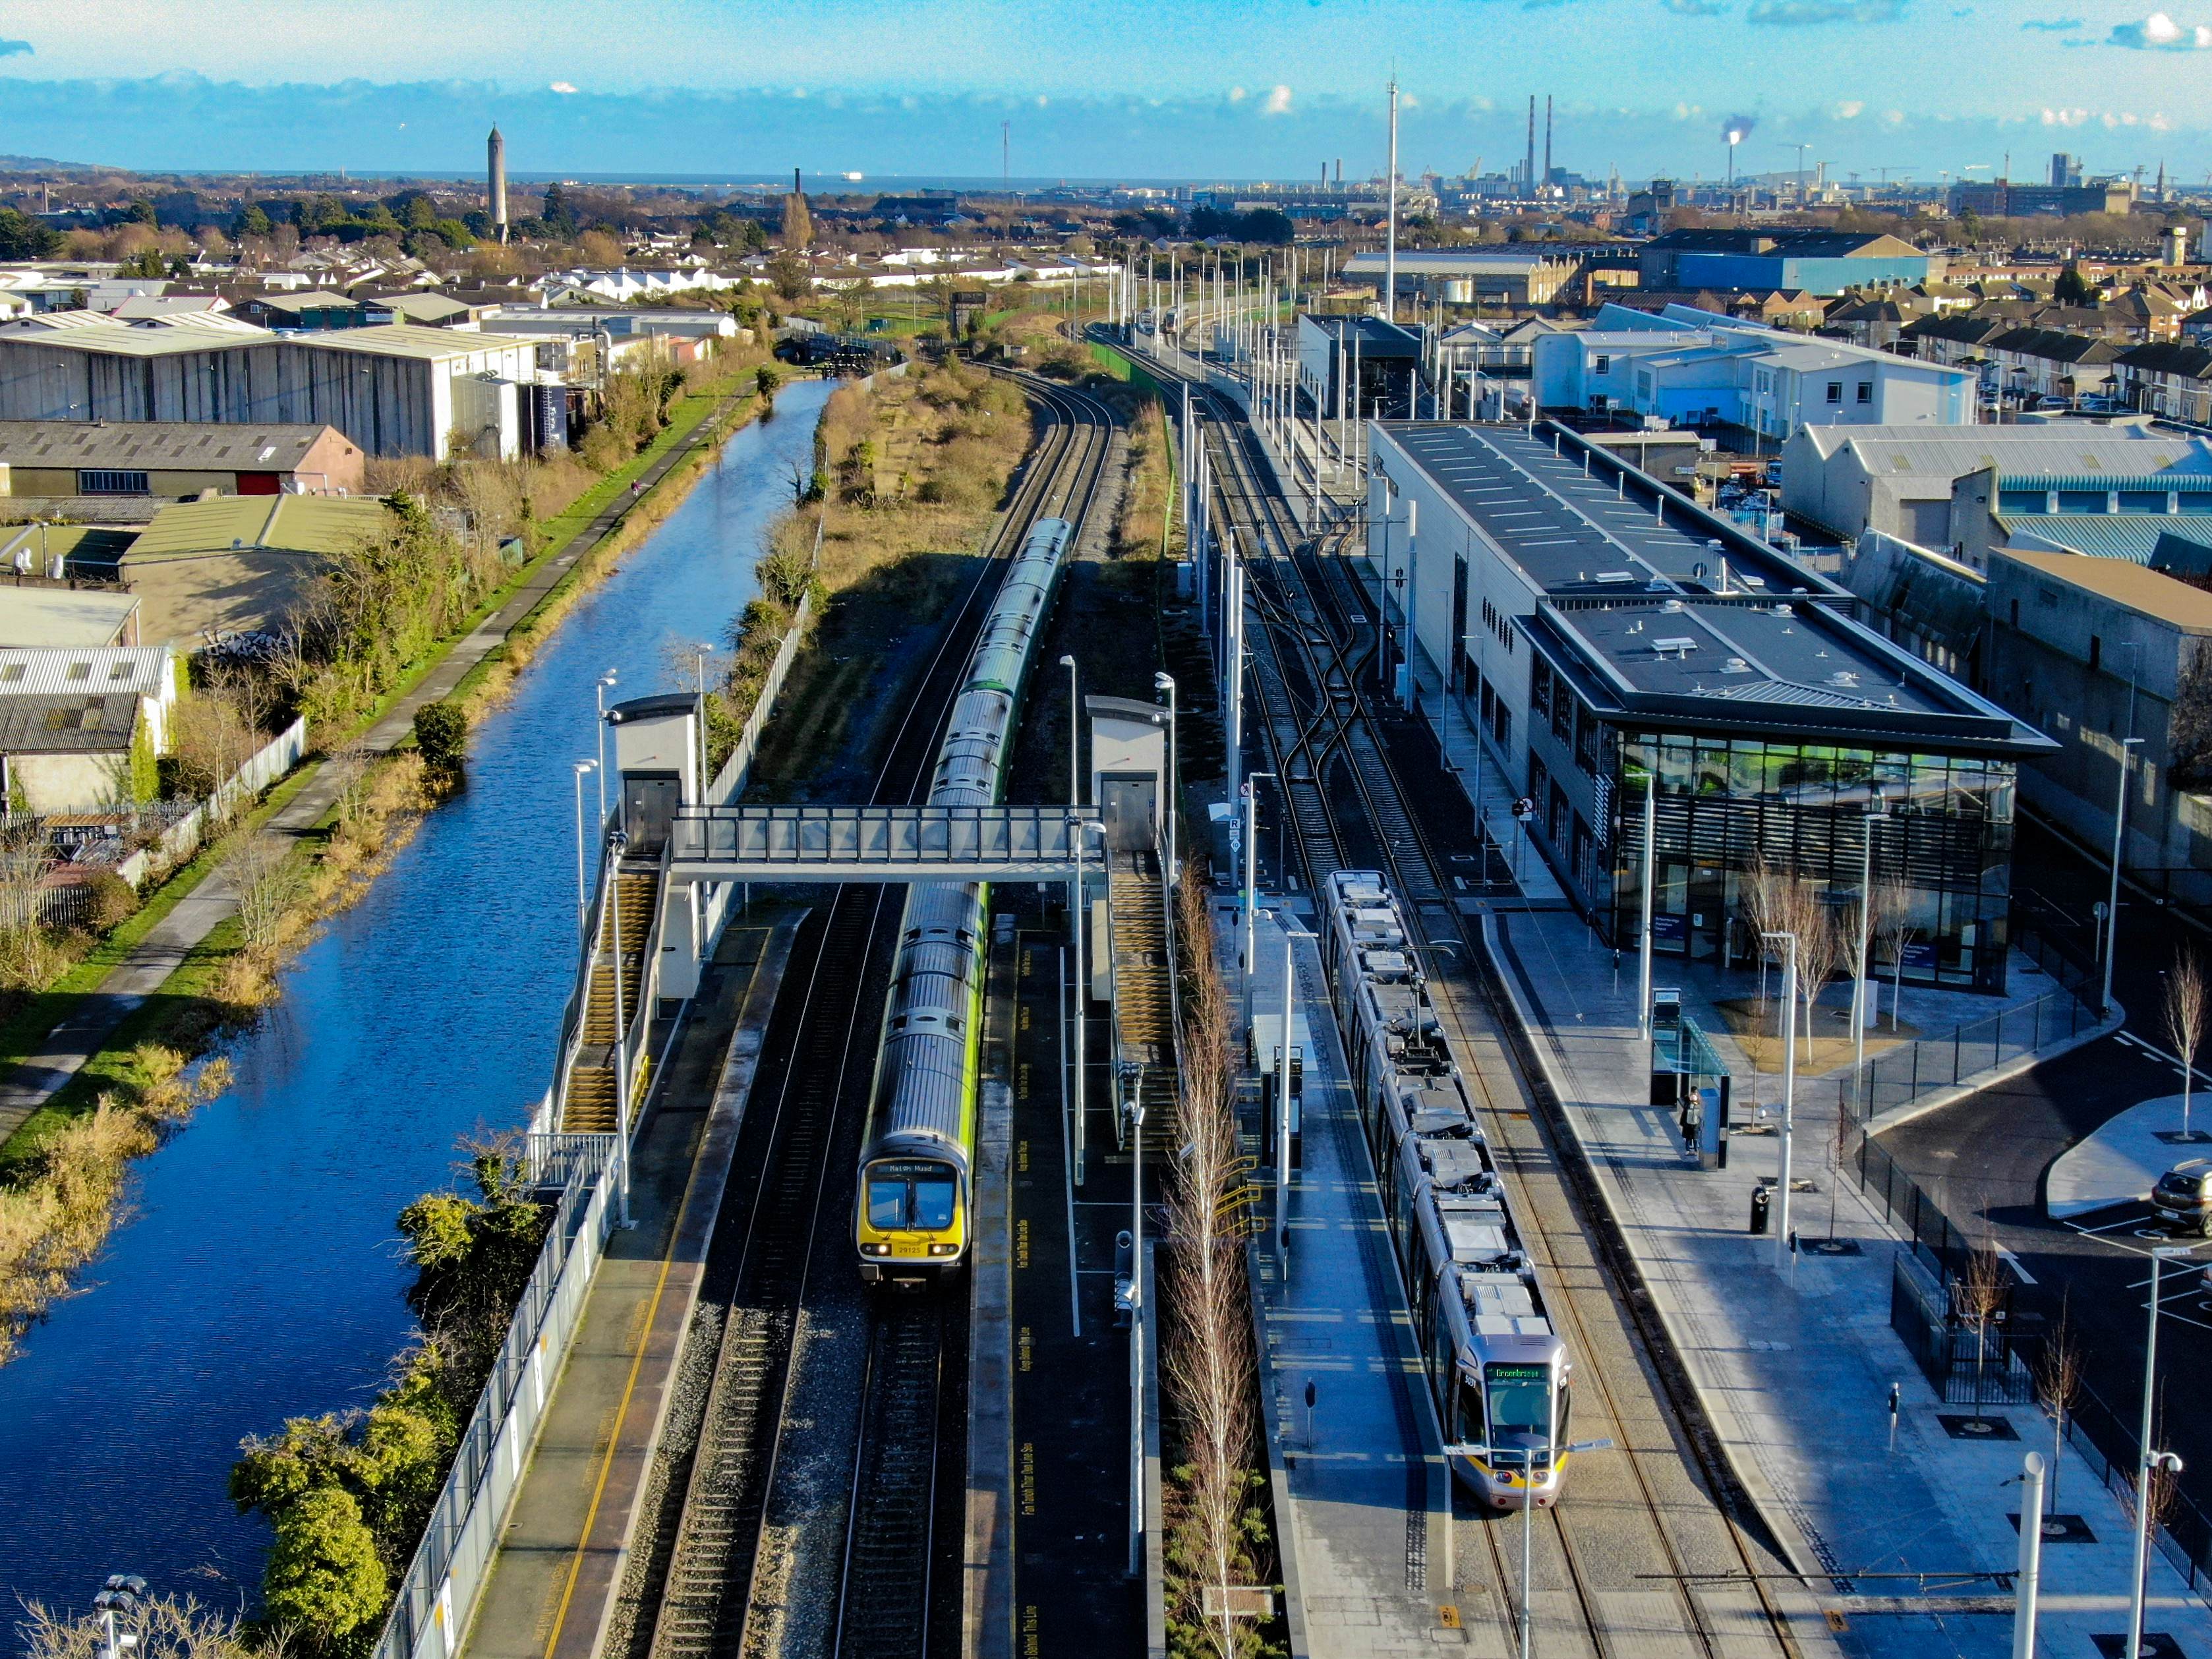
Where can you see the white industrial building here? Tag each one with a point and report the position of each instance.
(400, 390)
(1692, 367)
(1898, 480)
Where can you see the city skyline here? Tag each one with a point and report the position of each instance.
(1194, 92)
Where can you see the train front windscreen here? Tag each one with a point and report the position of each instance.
(914, 1196)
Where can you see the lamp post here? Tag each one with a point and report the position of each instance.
(605, 680)
(2148, 1464)
(1075, 726)
(1165, 682)
(1866, 932)
(617, 840)
(1291, 938)
(1524, 1459)
(1643, 910)
(120, 1595)
(1251, 878)
(1138, 1312)
(2027, 1582)
(2120, 835)
(583, 897)
(699, 652)
(1077, 830)
(1789, 1091)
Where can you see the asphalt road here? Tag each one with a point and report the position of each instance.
(1984, 1161)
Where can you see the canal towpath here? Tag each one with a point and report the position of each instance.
(99, 1013)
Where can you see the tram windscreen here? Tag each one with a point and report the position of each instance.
(886, 1205)
(932, 1204)
(1520, 1404)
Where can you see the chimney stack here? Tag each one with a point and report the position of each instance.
(496, 168)
(1547, 179)
(1528, 166)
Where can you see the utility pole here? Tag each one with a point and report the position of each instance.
(1005, 157)
(1390, 255)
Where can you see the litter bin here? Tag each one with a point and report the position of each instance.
(1762, 1200)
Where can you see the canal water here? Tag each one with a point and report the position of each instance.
(261, 1276)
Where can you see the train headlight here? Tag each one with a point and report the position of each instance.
(875, 1249)
(945, 1250)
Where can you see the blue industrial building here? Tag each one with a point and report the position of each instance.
(1819, 261)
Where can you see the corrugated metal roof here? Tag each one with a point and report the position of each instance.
(289, 524)
(2182, 484)
(410, 340)
(1911, 452)
(2129, 535)
(149, 444)
(54, 671)
(68, 725)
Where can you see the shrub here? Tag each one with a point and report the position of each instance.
(112, 901)
(441, 734)
(766, 381)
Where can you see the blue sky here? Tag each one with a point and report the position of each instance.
(1168, 88)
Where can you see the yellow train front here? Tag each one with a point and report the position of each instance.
(910, 1215)
(910, 1219)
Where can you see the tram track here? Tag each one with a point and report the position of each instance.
(1310, 606)
(713, 1581)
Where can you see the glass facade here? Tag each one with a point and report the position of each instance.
(1723, 804)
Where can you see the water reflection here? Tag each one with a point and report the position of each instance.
(260, 1277)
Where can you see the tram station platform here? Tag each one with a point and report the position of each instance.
(555, 1580)
(1365, 1540)
(1793, 1365)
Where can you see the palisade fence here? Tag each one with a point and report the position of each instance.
(730, 782)
(431, 1611)
(1994, 1364)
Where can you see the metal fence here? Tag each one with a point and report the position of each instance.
(438, 1596)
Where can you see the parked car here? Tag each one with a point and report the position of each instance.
(2183, 1197)
(2053, 405)
(2100, 406)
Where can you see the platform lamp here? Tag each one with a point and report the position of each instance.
(1789, 1087)
(2149, 1465)
(582, 896)
(1876, 814)
(1165, 682)
(616, 841)
(1524, 1459)
(605, 680)
(123, 1595)
(1077, 832)
(2128, 747)
(1074, 728)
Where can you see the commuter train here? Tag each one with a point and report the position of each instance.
(910, 1215)
(1497, 1371)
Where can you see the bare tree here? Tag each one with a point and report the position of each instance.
(2058, 1384)
(26, 951)
(1894, 926)
(266, 881)
(161, 1627)
(1765, 901)
(1209, 1366)
(2184, 1018)
(1820, 950)
(1978, 1292)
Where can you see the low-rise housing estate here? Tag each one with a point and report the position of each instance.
(175, 461)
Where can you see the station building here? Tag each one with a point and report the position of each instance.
(1591, 632)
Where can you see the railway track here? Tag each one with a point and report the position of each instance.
(714, 1578)
(1640, 1503)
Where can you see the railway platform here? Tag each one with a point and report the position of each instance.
(1364, 1541)
(555, 1578)
(1794, 1361)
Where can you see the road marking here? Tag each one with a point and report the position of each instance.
(2013, 1262)
(2107, 1227)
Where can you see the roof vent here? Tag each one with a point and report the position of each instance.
(1672, 605)
(1680, 646)
(1615, 576)
(1844, 678)
(1782, 611)
(1736, 666)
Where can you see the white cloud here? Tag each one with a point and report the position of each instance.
(1279, 102)
(1236, 95)
(1850, 109)
(1892, 118)
(564, 86)
(2064, 118)
(2159, 32)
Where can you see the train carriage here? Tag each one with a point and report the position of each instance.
(910, 1220)
(1497, 1373)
